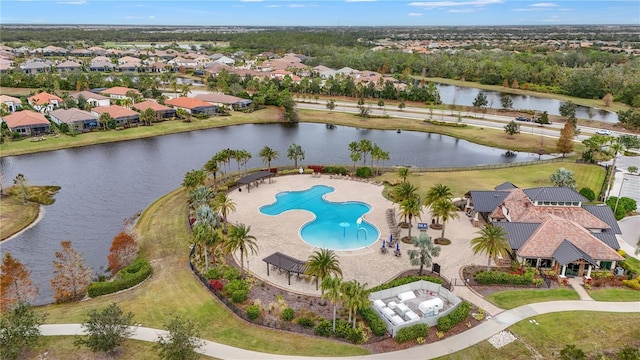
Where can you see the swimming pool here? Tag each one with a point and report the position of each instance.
(337, 225)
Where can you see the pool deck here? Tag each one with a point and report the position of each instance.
(366, 265)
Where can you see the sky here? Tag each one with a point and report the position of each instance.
(321, 12)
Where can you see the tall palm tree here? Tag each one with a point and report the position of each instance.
(403, 173)
(323, 263)
(446, 210)
(245, 156)
(332, 288)
(410, 208)
(295, 153)
(223, 204)
(425, 252)
(267, 154)
(356, 296)
(436, 193)
(404, 190)
(365, 147)
(212, 168)
(492, 241)
(202, 233)
(240, 239)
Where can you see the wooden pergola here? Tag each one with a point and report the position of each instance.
(285, 263)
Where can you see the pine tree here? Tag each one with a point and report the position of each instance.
(565, 142)
(71, 276)
(15, 283)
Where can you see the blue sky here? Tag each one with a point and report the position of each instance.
(320, 13)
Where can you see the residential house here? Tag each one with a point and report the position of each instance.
(193, 106)
(182, 62)
(225, 60)
(101, 63)
(129, 59)
(52, 51)
(27, 123)
(92, 99)
(76, 119)
(550, 227)
(162, 112)
(119, 92)
(68, 66)
(36, 66)
(6, 65)
(128, 67)
(231, 102)
(44, 102)
(12, 104)
(122, 115)
(80, 53)
(96, 50)
(325, 72)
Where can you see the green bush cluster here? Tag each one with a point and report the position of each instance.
(633, 283)
(406, 280)
(445, 123)
(124, 279)
(288, 314)
(364, 172)
(223, 272)
(253, 311)
(305, 322)
(631, 265)
(377, 325)
(588, 193)
(412, 333)
(338, 170)
(344, 330)
(238, 289)
(455, 317)
(504, 278)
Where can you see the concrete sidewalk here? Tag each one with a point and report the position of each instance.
(428, 351)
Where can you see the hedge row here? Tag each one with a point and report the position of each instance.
(504, 278)
(128, 277)
(406, 280)
(412, 333)
(445, 123)
(377, 325)
(455, 317)
(344, 330)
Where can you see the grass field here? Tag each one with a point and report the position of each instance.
(15, 215)
(615, 294)
(510, 299)
(174, 291)
(593, 332)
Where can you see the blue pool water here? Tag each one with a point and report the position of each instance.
(337, 225)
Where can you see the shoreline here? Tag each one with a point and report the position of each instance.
(41, 212)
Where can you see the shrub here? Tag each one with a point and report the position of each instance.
(288, 314)
(447, 322)
(363, 172)
(253, 311)
(412, 333)
(231, 273)
(305, 322)
(239, 296)
(634, 283)
(445, 123)
(406, 280)
(237, 284)
(588, 193)
(503, 278)
(377, 325)
(216, 284)
(357, 335)
(128, 277)
(324, 328)
(338, 170)
(214, 273)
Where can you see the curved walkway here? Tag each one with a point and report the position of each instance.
(447, 346)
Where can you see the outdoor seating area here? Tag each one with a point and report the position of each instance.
(355, 178)
(285, 264)
(394, 228)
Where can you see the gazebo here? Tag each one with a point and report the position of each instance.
(254, 177)
(285, 263)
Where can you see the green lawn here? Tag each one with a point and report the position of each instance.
(631, 263)
(15, 215)
(510, 299)
(615, 294)
(593, 332)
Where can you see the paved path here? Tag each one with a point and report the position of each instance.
(576, 284)
(428, 351)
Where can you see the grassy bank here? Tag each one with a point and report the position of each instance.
(15, 215)
(603, 332)
(586, 175)
(615, 294)
(173, 290)
(597, 103)
(510, 299)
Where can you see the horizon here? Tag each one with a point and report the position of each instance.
(309, 13)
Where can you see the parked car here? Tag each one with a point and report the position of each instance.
(603, 132)
(523, 118)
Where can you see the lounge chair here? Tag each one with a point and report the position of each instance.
(383, 250)
(397, 253)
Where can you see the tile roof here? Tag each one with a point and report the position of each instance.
(604, 213)
(116, 111)
(550, 234)
(25, 118)
(219, 98)
(567, 252)
(68, 64)
(554, 194)
(148, 104)
(119, 90)
(88, 95)
(517, 233)
(187, 102)
(7, 98)
(487, 201)
(72, 115)
(43, 98)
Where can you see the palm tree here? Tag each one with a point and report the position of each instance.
(355, 157)
(492, 241)
(321, 264)
(295, 153)
(212, 168)
(267, 154)
(446, 210)
(409, 208)
(403, 191)
(240, 239)
(332, 288)
(356, 296)
(224, 205)
(403, 173)
(365, 147)
(202, 233)
(193, 179)
(436, 193)
(244, 156)
(563, 178)
(426, 251)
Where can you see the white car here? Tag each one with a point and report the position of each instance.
(603, 132)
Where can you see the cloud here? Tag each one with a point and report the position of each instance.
(538, 7)
(462, 11)
(297, 5)
(251, 0)
(544, 5)
(414, 14)
(273, 6)
(352, 1)
(78, 2)
(443, 4)
(152, 16)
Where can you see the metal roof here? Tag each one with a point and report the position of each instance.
(505, 186)
(487, 201)
(286, 262)
(517, 233)
(604, 213)
(567, 253)
(255, 176)
(608, 238)
(554, 194)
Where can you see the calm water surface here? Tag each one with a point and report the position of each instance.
(104, 184)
